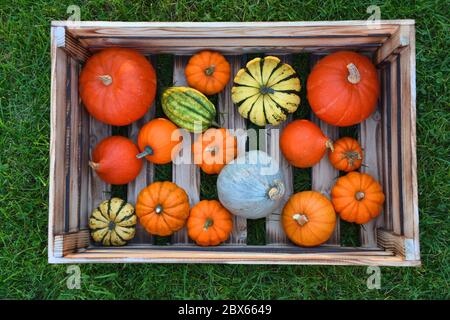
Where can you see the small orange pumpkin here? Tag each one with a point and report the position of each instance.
(208, 72)
(357, 197)
(347, 154)
(158, 141)
(117, 86)
(162, 208)
(343, 88)
(209, 223)
(303, 143)
(114, 160)
(308, 218)
(214, 149)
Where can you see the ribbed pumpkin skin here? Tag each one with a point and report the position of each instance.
(162, 208)
(266, 90)
(209, 223)
(345, 193)
(208, 72)
(131, 92)
(319, 222)
(113, 222)
(114, 160)
(335, 99)
(159, 134)
(347, 154)
(303, 143)
(188, 108)
(244, 183)
(213, 149)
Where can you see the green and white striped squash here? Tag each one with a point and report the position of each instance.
(113, 222)
(188, 108)
(266, 91)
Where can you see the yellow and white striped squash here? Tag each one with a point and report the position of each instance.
(266, 91)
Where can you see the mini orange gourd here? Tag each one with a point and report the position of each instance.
(117, 86)
(343, 88)
(209, 223)
(162, 208)
(114, 160)
(303, 143)
(308, 218)
(347, 154)
(214, 149)
(159, 140)
(208, 72)
(357, 197)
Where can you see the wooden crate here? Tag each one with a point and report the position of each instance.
(388, 138)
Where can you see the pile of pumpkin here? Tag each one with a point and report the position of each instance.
(117, 86)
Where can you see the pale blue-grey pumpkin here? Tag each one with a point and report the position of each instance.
(251, 186)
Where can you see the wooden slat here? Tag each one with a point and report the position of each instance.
(408, 141)
(84, 169)
(396, 42)
(98, 189)
(271, 144)
(393, 156)
(396, 243)
(369, 133)
(71, 45)
(323, 174)
(230, 118)
(57, 141)
(146, 175)
(70, 242)
(73, 140)
(186, 176)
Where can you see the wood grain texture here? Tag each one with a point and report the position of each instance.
(70, 242)
(71, 45)
(186, 176)
(146, 175)
(230, 118)
(57, 142)
(323, 174)
(271, 144)
(399, 40)
(408, 142)
(396, 243)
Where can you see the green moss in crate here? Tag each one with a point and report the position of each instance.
(349, 234)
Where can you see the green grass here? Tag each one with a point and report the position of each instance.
(24, 145)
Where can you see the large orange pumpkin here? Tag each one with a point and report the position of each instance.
(308, 218)
(208, 72)
(158, 140)
(343, 88)
(347, 154)
(117, 86)
(357, 197)
(214, 149)
(114, 160)
(209, 223)
(162, 208)
(303, 143)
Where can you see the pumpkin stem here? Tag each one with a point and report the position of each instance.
(210, 70)
(352, 156)
(111, 225)
(329, 145)
(94, 165)
(106, 79)
(353, 74)
(300, 218)
(359, 195)
(158, 209)
(212, 149)
(148, 151)
(208, 223)
(276, 191)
